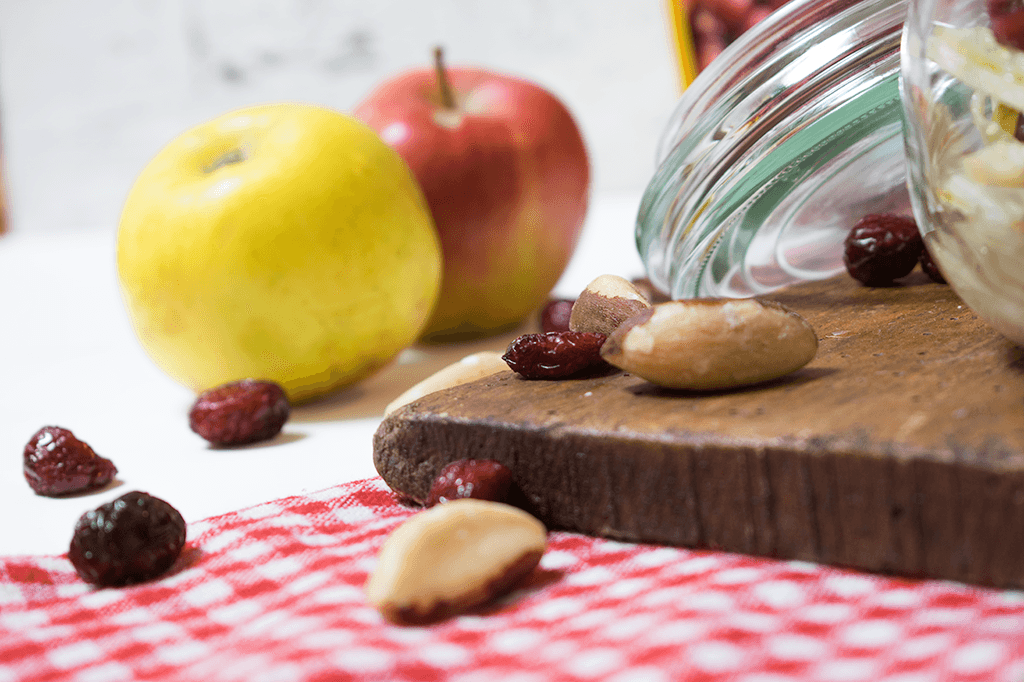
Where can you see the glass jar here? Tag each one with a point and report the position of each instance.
(773, 152)
(963, 92)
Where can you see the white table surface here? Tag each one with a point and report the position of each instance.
(68, 357)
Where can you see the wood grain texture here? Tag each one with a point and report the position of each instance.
(899, 448)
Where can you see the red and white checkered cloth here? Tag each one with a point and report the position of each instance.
(274, 593)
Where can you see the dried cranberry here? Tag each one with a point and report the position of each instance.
(930, 268)
(1007, 17)
(554, 316)
(882, 248)
(555, 354)
(481, 479)
(57, 463)
(136, 537)
(241, 412)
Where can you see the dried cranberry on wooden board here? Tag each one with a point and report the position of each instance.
(58, 463)
(134, 538)
(881, 248)
(930, 268)
(554, 355)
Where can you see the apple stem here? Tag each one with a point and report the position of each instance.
(444, 86)
(226, 159)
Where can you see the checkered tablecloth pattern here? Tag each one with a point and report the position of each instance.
(274, 594)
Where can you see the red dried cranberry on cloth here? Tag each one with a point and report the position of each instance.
(134, 538)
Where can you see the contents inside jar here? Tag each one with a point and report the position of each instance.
(975, 169)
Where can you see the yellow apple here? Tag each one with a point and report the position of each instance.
(283, 242)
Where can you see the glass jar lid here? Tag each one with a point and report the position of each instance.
(776, 149)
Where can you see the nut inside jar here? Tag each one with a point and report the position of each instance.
(970, 167)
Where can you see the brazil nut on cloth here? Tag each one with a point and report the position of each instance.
(274, 593)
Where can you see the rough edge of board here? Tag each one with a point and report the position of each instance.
(837, 503)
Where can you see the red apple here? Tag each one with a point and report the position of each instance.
(505, 171)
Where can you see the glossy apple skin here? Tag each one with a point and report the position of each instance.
(507, 177)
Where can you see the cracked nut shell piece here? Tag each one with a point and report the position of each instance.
(607, 302)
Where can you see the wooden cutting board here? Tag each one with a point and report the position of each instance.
(899, 448)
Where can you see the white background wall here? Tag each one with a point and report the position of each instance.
(91, 89)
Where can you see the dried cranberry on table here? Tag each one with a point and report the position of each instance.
(554, 355)
(881, 248)
(241, 412)
(58, 463)
(480, 479)
(554, 316)
(134, 538)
